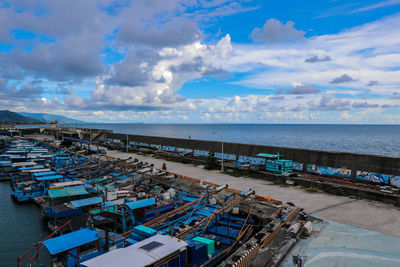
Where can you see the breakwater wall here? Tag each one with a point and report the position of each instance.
(351, 161)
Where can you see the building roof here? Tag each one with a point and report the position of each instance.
(69, 241)
(68, 191)
(86, 202)
(143, 253)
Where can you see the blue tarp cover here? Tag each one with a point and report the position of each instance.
(31, 168)
(62, 158)
(109, 204)
(37, 174)
(69, 241)
(68, 191)
(47, 178)
(140, 203)
(86, 202)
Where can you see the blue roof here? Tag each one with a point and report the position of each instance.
(86, 202)
(37, 174)
(47, 178)
(69, 241)
(140, 203)
(31, 168)
(269, 156)
(68, 191)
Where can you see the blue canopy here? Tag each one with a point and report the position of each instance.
(140, 203)
(68, 192)
(69, 241)
(47, 178)
(86, 202)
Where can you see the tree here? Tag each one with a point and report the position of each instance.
(211, 162)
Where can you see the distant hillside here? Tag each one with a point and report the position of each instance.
(12, 117)
(49, 117)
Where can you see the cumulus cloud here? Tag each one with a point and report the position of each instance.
(25, 91)
(275, 31)
(372, 83)
(315, 59)
(363, 105)
(70, 59)
(303, 90)
(160, 46)
(395, 95)
(168, 34)
(343, 79)
(277, 97)
(328, 102)
(135, 69)
(152, 79)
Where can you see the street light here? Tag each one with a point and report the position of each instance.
(222, 154)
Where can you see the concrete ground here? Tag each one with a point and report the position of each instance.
(366, 214)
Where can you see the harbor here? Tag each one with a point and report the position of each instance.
(210, 133)
(99, 203)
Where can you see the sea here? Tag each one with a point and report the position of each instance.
(363, 139)
(21, 225)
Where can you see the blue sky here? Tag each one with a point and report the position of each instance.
(202, 61)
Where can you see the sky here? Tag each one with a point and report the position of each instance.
(202, 61)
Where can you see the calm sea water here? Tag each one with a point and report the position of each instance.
(365, 139)
(21, 225)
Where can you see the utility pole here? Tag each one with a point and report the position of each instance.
(222, 151)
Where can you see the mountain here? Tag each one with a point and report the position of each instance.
(9, 116)
(49, 117)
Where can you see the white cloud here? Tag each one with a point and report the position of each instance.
(368, 52)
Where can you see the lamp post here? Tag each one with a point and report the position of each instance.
(222, 151)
